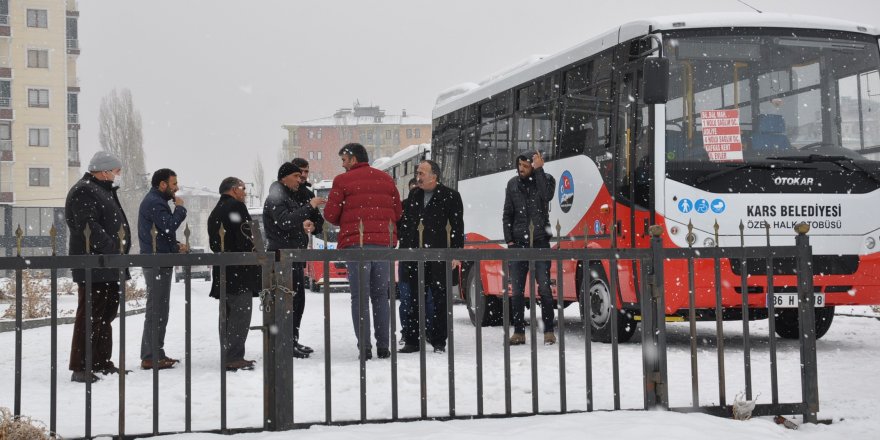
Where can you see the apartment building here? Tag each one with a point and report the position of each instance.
(39, 120)
(319, 140)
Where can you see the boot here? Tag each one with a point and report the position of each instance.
(298, 353)
(549, 338)
(518, 339)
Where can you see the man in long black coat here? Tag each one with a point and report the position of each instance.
(242, 282)
(434, 205)
(93, 202)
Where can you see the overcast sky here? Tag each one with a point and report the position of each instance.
(214, 80)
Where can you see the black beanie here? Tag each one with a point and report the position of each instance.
(287, 169)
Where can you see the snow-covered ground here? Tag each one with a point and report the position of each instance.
(849, 381)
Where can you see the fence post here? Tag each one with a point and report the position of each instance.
(278, 354)
(807, 323)
(654, 327)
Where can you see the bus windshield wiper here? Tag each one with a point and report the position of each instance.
(844, 162)
(726, 171)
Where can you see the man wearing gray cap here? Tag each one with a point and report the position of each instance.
(92, 201)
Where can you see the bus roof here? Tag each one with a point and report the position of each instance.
(324, 184)
(462, 95)
(385, 163)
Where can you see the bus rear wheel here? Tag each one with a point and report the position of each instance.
(786, 321)
(492, 305)
(600, 305)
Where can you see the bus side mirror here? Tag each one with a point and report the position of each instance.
(656, 86)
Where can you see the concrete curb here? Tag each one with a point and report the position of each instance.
(8, 326)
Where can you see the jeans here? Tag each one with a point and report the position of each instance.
(158, 296)
(518, 272)
(373, 277)
(409, 312)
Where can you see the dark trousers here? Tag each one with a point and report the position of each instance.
(409, 304)
(299, 298)
(435, 289)
(105, 301)
(518, 272)
(158, 297)
(238, 322)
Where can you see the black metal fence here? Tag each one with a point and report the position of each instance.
(280, 375)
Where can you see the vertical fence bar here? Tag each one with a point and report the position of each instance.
(807, 324)
(155, 273)
(656, 232)
(771, 312)
(560, 303)
(744, 279)
(505, 306)
(363, 340)
(88, 347)
(588, 331)
(421, 300)
(450, 332)
(719, 325)
(692, 318)
(224, 343)
(53, 375)
(478, 333)
(122, 306)
(187, 339)
(328, 395)
(615, 359)
(533, 322)
(392, 300)
(19, 297)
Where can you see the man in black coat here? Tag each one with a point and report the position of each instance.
(527, 201)
(434, 205)
(242, 282)
(304, 194)
(93, 202)
(287, 222)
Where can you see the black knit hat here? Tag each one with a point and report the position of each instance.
(287, 169)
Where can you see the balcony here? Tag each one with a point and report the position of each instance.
(73, 46)
(6, 194)
(72, 156)
(4, 20)
(72, 118)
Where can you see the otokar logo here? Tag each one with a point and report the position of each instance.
(802, 181)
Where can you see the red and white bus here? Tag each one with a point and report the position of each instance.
(727, 118)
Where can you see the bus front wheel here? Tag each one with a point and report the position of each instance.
(492, 305)
(786, 321)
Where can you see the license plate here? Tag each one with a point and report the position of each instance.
(790, 300)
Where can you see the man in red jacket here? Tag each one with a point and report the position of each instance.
(365, 195)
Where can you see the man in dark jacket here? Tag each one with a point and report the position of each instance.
(305, 194)
(93, 202)
(434, 205)
(287, 223)
(242, 282)
(527, 201)
(155, 212)
(363, 195)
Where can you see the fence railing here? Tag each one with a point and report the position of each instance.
(280, 378)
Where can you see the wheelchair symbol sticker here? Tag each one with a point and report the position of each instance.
(701, 206)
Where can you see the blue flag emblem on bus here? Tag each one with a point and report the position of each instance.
(566, 191)
(701, 206)
(718, 206)
(685, 205)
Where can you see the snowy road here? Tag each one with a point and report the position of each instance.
(849, 380)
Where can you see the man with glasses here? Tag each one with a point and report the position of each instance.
(93, 202)
(242, 282)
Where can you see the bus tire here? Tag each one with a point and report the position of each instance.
(492, 305)
(600, 307)
(786, 321)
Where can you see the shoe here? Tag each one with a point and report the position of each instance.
(518, 339)
(440, 348)
(549, 338)
(303, 348)
(298, 353)
(83, 377)
(383, 353)
(409, 348)
(164, 363)
(241, 364)
(368, 354)
(110, 369)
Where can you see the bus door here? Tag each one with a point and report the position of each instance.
(633, 177)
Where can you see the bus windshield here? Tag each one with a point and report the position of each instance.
(749, 98)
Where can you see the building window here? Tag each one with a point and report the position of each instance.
(5, 94)
(320, 155)
(409, 133)
(311, 155)
(38, 98)
(33, 221)
(38, 177)
(387, 134)
(417, 132)
(37, 18)
(320, 133)
(38, 137)
(38, 58)
(311, 134)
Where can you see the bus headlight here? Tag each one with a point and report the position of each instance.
(709, 242)
(870, 243)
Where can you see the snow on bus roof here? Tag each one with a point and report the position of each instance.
(459, 96)
(383, 163)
